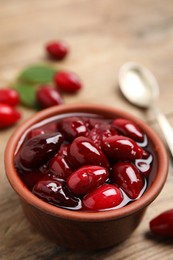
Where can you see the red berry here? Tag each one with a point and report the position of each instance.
(162, 225)
(72, 127)
(119, 147)
(104, 197)
(83, 151)
(60, 166)
(8, 115)
(129, 129)
(128, 178)
(39, 149)
(48, 97)
(56, 193)
(9, 96)
(86, 179)
(67, 81)
(57, 50)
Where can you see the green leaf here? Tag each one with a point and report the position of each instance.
(30, 79)
(27, 93)
(37, 74)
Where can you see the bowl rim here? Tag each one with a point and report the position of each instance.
(108, 111)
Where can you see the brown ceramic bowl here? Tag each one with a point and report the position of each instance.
(84, 230)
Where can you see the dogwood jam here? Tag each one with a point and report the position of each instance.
(86, 162)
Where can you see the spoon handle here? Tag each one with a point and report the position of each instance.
(166, 128)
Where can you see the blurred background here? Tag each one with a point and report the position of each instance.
(102, 35)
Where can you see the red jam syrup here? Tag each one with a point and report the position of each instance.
(86, 162)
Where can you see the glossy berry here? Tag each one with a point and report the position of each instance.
(162, 225)
(86, 179)
(72, 127)
(128, 178)
(57, 50)
(56, 193)
(39, 149)
(9, 96)
(8, 115)
(60, 166)
(103, 197)
(119, 147)
(67, 81)
(47, 97)
(83, 151)
(129, 129)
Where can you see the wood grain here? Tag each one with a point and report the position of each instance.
(102, 36)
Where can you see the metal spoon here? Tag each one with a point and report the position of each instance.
(140, 87)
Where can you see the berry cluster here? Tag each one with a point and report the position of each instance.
(64, 81)
(85, 163)
(45, 95)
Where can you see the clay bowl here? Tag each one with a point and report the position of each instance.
(84, 230)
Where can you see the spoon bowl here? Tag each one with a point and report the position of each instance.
(138, 84)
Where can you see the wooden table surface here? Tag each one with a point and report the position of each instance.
(102, 36)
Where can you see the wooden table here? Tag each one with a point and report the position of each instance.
(102, 36)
